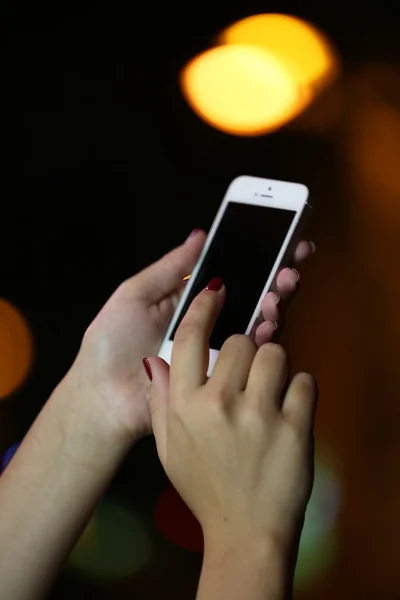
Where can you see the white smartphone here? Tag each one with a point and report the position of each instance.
(253, 236)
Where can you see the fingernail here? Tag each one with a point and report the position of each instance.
(147, 368)
(297, 274)
(279, 302)
(276, 324)
(313, 247)
(215, 284)
(193, 233)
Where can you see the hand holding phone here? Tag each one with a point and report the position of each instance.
(251, 239)
(238, 448)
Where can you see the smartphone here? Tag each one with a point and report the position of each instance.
(253, 236)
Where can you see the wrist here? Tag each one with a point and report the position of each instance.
(86, 435)
(259, 549)
(256, 568)
(281, 542)
(51, 487)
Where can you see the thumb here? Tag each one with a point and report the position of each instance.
(165, 276)
(157, 371)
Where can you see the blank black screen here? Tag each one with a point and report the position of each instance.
(243, 251)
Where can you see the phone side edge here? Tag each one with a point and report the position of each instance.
(288, 247)
(196, 269)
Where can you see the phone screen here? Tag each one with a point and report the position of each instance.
(243, 252)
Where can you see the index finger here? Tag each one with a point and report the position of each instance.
(190, 350)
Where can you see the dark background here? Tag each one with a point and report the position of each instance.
(105, 167)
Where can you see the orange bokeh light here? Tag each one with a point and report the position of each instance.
(242, 89)
(16, 348)
(296, 42)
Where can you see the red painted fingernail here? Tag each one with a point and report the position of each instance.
(297, 274)
(313, 247)
(215, 284)
(193, 233)
(147, 368)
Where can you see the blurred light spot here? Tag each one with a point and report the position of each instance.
(373, 142)
(177, 523)
(315, 559)
(242, 90)
(377, 149)
(16, 348)
(319, 543)
(296, 42)
(113, 546)
(186, 278)
(8, 455)
(373, 176)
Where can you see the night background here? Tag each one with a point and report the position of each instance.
(106, 167)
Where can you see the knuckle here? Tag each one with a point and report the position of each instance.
(174, 261)
(186, 331)
(128, 288)
(252, 421)
(239, 341)
(305, 385)
(302, 403)
(126, 284)
(222, 396)
(274, 352)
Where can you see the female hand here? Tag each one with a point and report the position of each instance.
(84, 431)
(237, 447)
(131, 325)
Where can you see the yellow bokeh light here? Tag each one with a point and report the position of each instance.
(242, 89)
(16, 348)
(297, 42)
